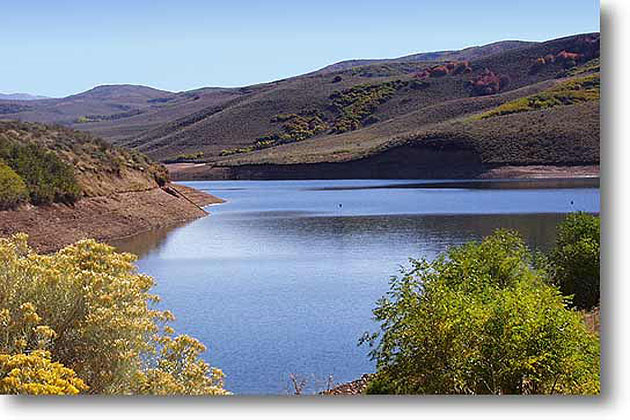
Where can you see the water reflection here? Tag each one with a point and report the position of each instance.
(145, 242)
(282, 279)
(505, 184)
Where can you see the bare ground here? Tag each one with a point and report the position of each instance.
(105, 218)
(538, 171)
(196, 171)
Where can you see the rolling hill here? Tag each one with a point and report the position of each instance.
(409, 116)
(466, 54)
(20, 97)
(60, 185)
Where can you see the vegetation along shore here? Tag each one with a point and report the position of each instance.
(487, 317)
(60, 185)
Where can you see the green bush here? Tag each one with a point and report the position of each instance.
(294, 128)
(574, 261)
(357, 103)
(47, 177)
(186, 157)
(12, 188)
(480, 320)
(575, 91)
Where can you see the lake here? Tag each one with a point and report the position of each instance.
(282, 278)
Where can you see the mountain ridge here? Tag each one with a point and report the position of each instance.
(467, 53)
(21, 97)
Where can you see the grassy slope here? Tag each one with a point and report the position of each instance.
(164, 124)
(102, 100)
(100, 168)
(117, 111)
(240, 123)
(470, 53)
(561, 135)
(213, 120)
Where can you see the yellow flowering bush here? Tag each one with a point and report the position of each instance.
(90, 309)
(36, 374)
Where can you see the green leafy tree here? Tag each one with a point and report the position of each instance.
(480, 320)
(574, 261)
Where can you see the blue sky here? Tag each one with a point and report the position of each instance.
(57, 48)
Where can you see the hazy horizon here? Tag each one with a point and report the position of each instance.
(200, 44)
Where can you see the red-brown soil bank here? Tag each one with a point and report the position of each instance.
(105, 218)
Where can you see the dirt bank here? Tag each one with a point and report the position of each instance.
(396, 163)
(107, 217)
(348, 171)
(540, 172)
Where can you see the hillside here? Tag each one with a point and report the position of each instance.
(358, 109)
(98, 167)
(20, 97)
(466, 54)
(438, 130)
(60, 185)
(102, 102)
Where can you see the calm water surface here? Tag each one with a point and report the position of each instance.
(282, 278)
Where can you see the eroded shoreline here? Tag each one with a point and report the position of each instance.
(106, 218)
(208, 172)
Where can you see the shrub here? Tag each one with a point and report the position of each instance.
(186, 157)
(353, 109)
(13, 191)
(160, 174)
(93, 312)
(480, 320)
(301, 127)
(422, 74)
(574, 261)
(568, 59)
(355, 104)
(47, 177)
(36, 374)
(13, 108)
(452, 68)
(591, 66)
(538, 65)
(461, 67)
(295, 127)
(571, 92)
(438, 71)
(487, 83)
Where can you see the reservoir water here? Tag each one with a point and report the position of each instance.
(282, 278)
